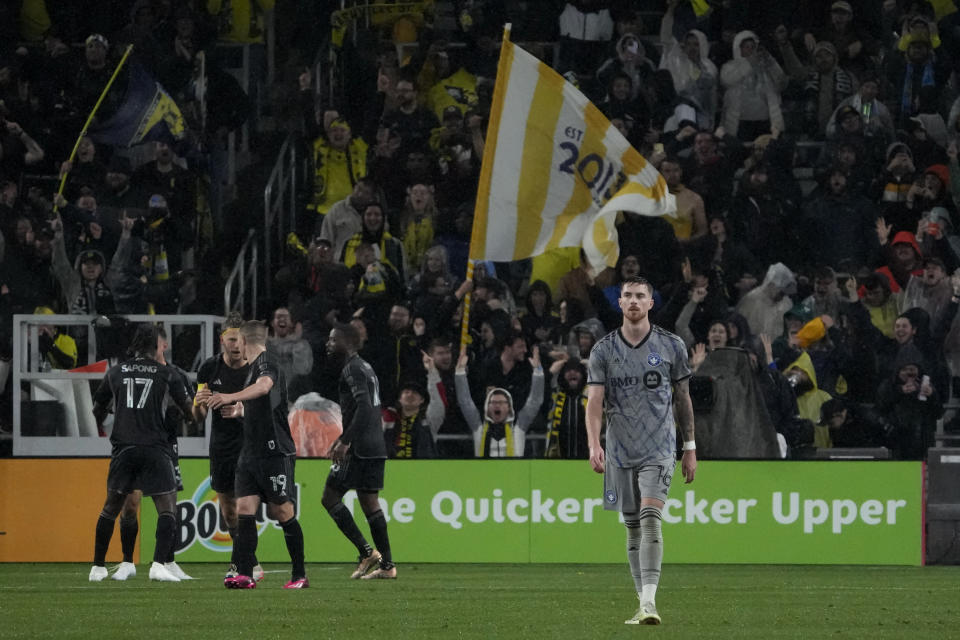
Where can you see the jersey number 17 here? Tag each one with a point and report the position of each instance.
(131, 384)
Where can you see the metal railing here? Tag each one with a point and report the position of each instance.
(244, 276)
(69, 391)
(279, 209)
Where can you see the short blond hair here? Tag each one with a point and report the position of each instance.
(254, 332)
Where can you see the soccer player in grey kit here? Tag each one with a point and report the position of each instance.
(640, 374)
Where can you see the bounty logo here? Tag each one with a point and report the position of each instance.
(200, 520)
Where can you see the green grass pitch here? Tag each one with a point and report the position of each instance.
(487, 601)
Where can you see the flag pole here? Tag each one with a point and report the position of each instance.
(86, 125)
(479, 227)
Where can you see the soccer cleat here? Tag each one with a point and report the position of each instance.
(299, 583)
(364, 565)
(646, 614)
(160, 573)
(124, 570)
(258, 573)
(97, 574)
(175, 569)
(240, 582)
(231, 572)
(382, 574)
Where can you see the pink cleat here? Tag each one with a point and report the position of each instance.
(299, 583)
(240, 582)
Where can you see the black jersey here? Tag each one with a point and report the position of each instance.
(226, 434)
(360, 407)
(266, 431)
(141, 389)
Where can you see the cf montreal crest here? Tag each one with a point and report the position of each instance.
(610, 495)
(654, 359)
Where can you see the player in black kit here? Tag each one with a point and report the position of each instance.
(266, 465)
(142, 456)
(129, 523)
(359, 455)
(225, 373)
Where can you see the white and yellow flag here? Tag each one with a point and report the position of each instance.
(555, 171)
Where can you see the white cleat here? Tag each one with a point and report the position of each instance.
(97, 574)
(124, 570)
(646, 614)
(257, 573)
(161, 573)
(175, 569)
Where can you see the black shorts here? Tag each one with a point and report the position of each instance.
(223, 472)
(270, 478)
(362, 474)
(141, 467)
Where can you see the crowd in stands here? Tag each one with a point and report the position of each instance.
(131, 227)
(812, 149)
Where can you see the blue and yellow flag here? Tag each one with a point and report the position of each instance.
(146, 113)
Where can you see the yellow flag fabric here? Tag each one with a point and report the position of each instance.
(555, 171)
(700, 7)
(378, 14)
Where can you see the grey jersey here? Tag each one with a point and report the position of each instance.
(638, 394)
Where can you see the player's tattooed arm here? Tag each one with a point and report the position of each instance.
(683, 409)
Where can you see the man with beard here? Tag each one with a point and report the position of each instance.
(225, 373)
(566, 431)
(640, 374)
(413, 122)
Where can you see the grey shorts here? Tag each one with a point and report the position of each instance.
(624, 487)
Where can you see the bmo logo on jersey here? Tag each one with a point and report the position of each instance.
(624, 381)
(201, 521)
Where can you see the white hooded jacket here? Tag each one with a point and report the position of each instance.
(693, 81)
(515, 426)
(760, 75)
